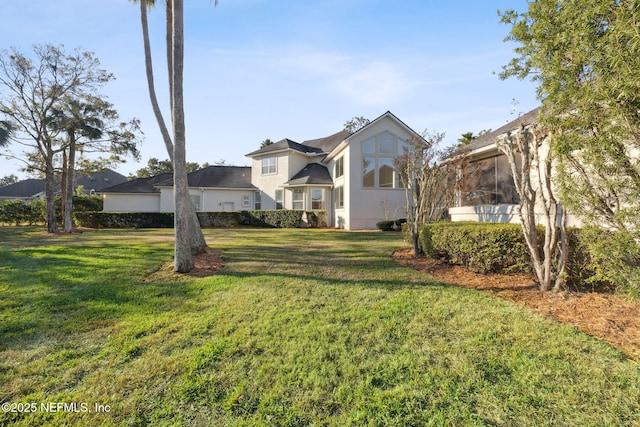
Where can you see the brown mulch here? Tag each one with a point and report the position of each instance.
(207, 263)
(603, 315)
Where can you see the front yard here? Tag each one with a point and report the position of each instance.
(301, 327)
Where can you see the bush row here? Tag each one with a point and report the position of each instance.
(260, 218)
(16, 212)
(485, 248)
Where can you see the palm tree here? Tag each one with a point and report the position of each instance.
(5, 132)
(189, 239)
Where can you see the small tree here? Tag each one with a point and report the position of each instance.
(355, 124)
(426, 182)
(531, 164)
(31, 88)
(267, 142)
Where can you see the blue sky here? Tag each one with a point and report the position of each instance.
(257, 69)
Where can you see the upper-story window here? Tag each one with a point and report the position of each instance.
(268, 165)
(378, 154)
(339, 167)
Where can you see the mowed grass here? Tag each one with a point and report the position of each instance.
(302, 327)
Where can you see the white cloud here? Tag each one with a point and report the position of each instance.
(359, 81)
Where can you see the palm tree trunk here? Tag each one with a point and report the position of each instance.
(68, 188)
(150, 80)
(183, 256)
(49, 192)
(197, 242)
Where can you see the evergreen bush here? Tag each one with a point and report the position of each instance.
(490, 247)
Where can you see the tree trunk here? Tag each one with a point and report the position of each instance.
(50, 197)
(197, 242)
(67, 190)
(150, 80)
(183, 254)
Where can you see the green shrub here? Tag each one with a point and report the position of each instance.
(480, 247)
(489, 247)
(280, 218)
(316, 219)
(277, 218)
(125, 219)
(391, 224)
(220, 219)
(614, 257)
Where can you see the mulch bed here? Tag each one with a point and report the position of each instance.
(601, 314)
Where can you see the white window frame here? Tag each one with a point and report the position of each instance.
(279, 199)
(269, 165)
(339, 167)
(298, 204)
(196, 200)
(257, 202)
(372, 149)
(317, 205)
(339, 193)
(246, 201)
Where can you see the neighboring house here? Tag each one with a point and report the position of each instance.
(215, 188)
(34, 188)
(488, 193)
(350, 177)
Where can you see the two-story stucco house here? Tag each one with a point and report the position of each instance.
(351, 177)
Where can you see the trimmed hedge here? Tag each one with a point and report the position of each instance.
(489, 247)
(16, 212)
(262, 218)
(280, 218)
(125, 219)
(391, 224)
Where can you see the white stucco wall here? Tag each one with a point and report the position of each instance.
(269, 183)
(131, 202)
(211, 199)
(498, 213)
(364, 207)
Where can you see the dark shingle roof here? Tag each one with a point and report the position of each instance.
(99, 180)
(491, 137)
(221, 177)
(95, 181)
(329, 143)
(139, 185)
(313, 173)
(283, 145)
(26, 188)
(213, 177)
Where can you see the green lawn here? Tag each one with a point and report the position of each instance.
(302, 327)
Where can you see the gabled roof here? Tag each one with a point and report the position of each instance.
(285, 144)
(311, 174)
(218, 177)
(99, 180)
(26, 188)
(324, 145)
(94, 181)
(382, 116)
(491, 137)
(140, 185)
(235, 177)
(329, 143)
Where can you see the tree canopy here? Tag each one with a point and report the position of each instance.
(355, 124)
(156, 167)
(585, 57)
(51, 104)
